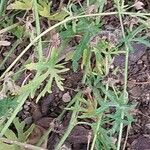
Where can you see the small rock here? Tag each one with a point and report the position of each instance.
(27, 103)
(139, 62)
(28, 120)
(66, 146)
(26, 107)
(44, 122)
(66, 97)
(148, 126)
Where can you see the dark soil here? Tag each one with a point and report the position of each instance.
(139, 94)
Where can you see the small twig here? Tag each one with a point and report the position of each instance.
(29, 146)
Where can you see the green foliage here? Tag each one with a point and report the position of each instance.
(21, 135)
(7, 105)
(104, 140)
(46, 70)
(18, 31)
(86, 28)
(101, 107)
(21, 4)
(135, 36)
(43, 9)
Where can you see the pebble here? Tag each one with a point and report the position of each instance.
(139, 62)
(66, 146)
(28, 120)
(148, 126)
(66, 97)
(26, 107)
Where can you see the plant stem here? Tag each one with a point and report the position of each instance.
(38, 30)
(72, 124)
(58, 118)
(24, 145)
(8, 28)
(96, 132)
(125, 76)
(2, 5)
(63, 22)
(49, 29)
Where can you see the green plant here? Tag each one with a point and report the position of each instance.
(104, 104)
(43, 8)
(48, 70)
(21, 135)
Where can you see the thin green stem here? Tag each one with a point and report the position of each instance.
(46, 31)
(84, 123)
(88, 3)
(100, 117)
(58, 24)
(2, 6)
(38, 30)
(10, 52)
(125, 76)
(96, 132)
(22, 145)
(72, 124)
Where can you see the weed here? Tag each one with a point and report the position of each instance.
(101, 106)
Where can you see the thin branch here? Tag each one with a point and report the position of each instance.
(28, 146)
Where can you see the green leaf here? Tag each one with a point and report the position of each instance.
(21, 135)
(68, 33)
(48, 71)
(142, 40)
(58, 16)
(7, 105)
(4, 146)
(20, 127)
(79, 50)
(21, 5)
(44, 8)
(85, 25)
(33, 85)
(18, 31)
